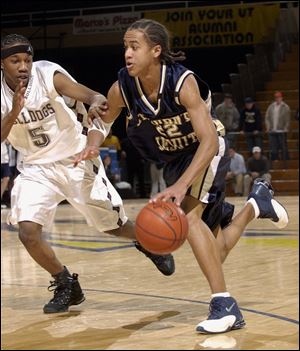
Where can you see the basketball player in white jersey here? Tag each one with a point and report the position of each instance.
(38, 100)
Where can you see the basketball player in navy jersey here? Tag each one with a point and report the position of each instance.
(169, 121)
(38, 118)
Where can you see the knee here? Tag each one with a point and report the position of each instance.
(193, 218)
(29, 234)
(247, 179)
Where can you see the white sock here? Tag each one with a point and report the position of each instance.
(223, 294)
(254, 205)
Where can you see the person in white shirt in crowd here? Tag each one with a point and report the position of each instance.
(277, 121)
(237, 171)
(5, 172)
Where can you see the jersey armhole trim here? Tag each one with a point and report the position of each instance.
(124, 98)
(179, 85)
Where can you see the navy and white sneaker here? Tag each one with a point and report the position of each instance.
(224, 315)
(261, 198)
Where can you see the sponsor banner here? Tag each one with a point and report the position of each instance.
(117, 22)
(245, 24)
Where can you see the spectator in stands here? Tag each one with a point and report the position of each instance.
(113, 178)
(278, 117)
(229, 115)
(135, 167)
(123, 166)
(158, 183)
(251, 124)
(257, 167)
(112, 141)
(237, 171)
(5, 173)
(14, 157)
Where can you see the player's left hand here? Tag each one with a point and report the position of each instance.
(96, 112)
(177, 192)
(86, 154)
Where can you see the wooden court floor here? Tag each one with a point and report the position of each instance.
(131, 306)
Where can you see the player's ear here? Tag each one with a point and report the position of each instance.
(156, 51)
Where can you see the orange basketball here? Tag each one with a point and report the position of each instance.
(161, 227)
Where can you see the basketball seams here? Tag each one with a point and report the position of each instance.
(161, 223)
(175, 240)
(154, 235)
(167, 248)
(161, 217)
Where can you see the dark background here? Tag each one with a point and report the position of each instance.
(97, 67)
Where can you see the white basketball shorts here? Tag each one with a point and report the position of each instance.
(40, 188)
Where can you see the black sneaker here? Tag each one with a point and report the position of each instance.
(164, 263)
(67, 292)
(224, 315)
(261, 198)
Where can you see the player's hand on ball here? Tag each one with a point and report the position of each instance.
(96, 112)
(86, 154)
(177, 192)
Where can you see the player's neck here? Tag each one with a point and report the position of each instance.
(150, 79)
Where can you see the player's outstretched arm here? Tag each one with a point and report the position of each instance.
(103, 119)
(115, 104)
(66, 86)
(207, 135)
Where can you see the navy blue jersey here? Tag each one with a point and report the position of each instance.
(162, 131)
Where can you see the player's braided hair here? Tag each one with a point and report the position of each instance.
(157, 34)
(12, 39)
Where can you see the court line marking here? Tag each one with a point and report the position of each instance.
(267, 314)
(93, 249)
(247, 233)
(263, 234)
(109, 241)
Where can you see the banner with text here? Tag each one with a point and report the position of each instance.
(217, 25)
(104, 22)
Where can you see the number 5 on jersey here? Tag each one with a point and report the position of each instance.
(39, 138)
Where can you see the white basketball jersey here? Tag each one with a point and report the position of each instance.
(47, 129)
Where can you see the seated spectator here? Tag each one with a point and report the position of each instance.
(157, 179)
(257, 167)
(5, 172)
(237, 171)
(278, 117)
(113, 178)
(123, 166)
(112, 141)
(251, 124)
(229, 115)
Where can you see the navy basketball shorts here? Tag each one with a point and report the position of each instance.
(209, 187)
(5, 172)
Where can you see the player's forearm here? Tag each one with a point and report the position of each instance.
(6, 124)
(95, 138)
(96, 100)
(205, 153)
